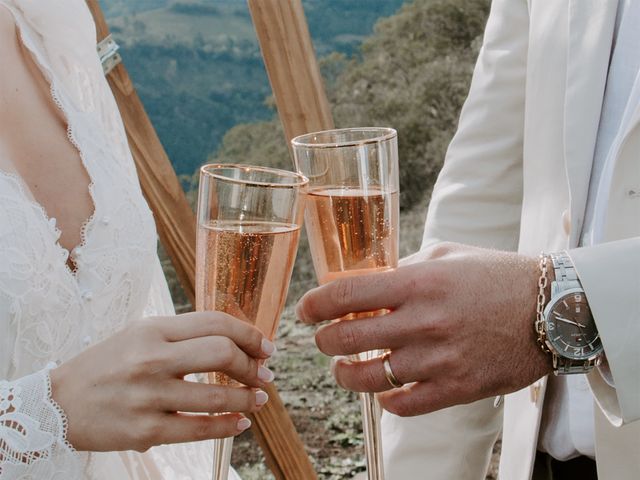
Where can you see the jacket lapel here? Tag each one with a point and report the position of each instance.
(634, 122)
(591, 25)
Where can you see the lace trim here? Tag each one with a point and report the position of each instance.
(55, 96)
(51, 222)
(33, 431)
(56, 406)
(72, 139)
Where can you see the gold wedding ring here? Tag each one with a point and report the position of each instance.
(391, 378)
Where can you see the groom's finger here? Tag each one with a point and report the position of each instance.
(418, 399)
(348, 337)
(369, 376)
(364, 376)
(341, 297)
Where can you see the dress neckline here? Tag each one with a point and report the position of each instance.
(51, 222)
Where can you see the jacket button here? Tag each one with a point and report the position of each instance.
(566, 222)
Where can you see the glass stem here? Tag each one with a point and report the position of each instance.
(371, 417)
(372, 446)
(222, 458)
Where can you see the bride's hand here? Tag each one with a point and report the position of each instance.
(128, 392)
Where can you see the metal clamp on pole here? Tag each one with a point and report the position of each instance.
(108, 53)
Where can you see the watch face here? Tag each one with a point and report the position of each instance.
(571, 329)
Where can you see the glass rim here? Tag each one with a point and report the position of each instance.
(208, 170)
(385, 133)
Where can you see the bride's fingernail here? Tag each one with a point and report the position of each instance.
(243, 424)
(261, 398)
(268, 348)
(265, 374)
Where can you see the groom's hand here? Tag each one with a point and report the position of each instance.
(460, 328)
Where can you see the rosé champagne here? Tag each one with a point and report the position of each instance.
(245, 272)
(352, 231)
(246, 269)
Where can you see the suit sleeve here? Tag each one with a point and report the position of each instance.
(610, 276)
(476, 201)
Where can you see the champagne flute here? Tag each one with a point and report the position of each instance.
(249, 222)
(352, 223)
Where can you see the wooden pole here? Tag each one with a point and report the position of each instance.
(292, 67)
(175, 221)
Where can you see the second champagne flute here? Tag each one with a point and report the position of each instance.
(352, 222)
(249, 221)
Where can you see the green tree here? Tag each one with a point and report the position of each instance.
(412, 74)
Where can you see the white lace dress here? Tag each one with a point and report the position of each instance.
(47, 312)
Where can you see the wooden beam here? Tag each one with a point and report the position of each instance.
(273, 428)
(292, 67)
(294, 74)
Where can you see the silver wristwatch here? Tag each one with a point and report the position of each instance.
(569, 331)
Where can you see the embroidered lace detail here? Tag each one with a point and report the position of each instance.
(47, 312)
(50, 314)
(53, 309)
(33, 431)
(72, 139)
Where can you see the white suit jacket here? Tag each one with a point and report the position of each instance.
(516, 177)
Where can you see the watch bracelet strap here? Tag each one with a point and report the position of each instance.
(564, 366)
(565, 272)
(566, 278)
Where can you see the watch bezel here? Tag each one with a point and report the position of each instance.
(548, 340)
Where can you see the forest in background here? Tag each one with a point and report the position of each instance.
(412, 74)
(197, 67)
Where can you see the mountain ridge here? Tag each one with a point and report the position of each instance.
(200, 75)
